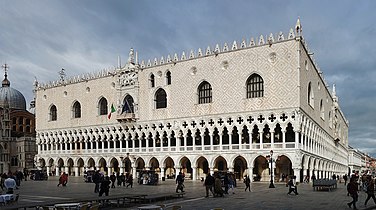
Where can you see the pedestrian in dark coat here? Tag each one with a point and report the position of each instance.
(370, 190)
(247, 182)
(113, 179)
(105, 186)
(352, 189)
(209, 182)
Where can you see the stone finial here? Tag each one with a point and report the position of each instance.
(291, 34)
(225, 47)
(142, 64)
(191, 54)
(217, 50)
(183, 56)
(243, 44)
(162, 60)
(155, 61)
(234, 46)
(208, 51)
(131, 56)
(280, 36)
(271, 38)
(252, 42)
(298, 27)
(176, 57)
(199, 53)
(261, 40)
(168, 59)
(149, 63)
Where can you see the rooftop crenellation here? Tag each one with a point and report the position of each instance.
(175, 58)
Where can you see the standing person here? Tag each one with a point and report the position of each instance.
(180, 182)
(113, 179)
(370, 190)
(119, 177)
(130, 180)
(97, 181)
(231, 184)
(10, 184)
(61, 179)
(209, 182)
(345, 178)
(292, 186)
(105, 186)
(247, 182)
(352, 189)
(226, 183)
(65, 179)
(218, 186)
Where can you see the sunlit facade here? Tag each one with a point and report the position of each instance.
(220, 109)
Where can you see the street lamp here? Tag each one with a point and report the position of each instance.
(271, 170)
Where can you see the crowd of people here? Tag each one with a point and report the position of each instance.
(104, 183)
(11, 181)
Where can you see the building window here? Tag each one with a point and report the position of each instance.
(255, 86)
(128, 105)
(204, 93)
(322, 110)
(103, 107)
(310, 96)
(76, 110)
(53, 113)
(160, 99)
(168, 78)
(152, 81)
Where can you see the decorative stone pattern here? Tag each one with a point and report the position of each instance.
(308, 135)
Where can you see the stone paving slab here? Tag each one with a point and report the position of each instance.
(261, 196)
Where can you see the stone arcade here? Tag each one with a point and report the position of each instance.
(220, 109)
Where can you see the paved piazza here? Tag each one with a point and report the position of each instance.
(261, 196)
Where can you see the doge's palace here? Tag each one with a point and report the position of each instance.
(233, 107)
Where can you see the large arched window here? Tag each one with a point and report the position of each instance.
(204, 93)
(152, 81)
(76, 110)
(255, 86)
(128, 105)
(53, 113)
(160, 99)
(103, 106)
(310, 96)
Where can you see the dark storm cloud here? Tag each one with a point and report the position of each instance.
(40, 37)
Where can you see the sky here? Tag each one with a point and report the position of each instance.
(38, 38)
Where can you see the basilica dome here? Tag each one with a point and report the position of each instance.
(11, 96)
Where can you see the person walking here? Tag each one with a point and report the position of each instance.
(180, 182)
(105, 186)
(292, 186)
(209, 182)
(352, 189)
(130, 180)
(370, 190)
(345, 179)
(113, 179)
(247, 182)
(10, 184)
(97, 181)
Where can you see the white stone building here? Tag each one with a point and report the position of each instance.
(220, 109)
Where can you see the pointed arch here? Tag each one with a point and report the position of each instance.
(76, 110)
(53, 113)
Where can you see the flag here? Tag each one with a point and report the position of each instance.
(111, 111)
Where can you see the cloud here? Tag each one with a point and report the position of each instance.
(38, 38)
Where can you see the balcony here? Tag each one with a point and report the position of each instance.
(126, 117)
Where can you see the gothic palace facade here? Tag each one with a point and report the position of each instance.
(220, 109)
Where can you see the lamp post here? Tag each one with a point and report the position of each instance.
(271, 170)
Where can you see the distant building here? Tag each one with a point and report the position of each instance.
(220, 109)
(17, 140)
